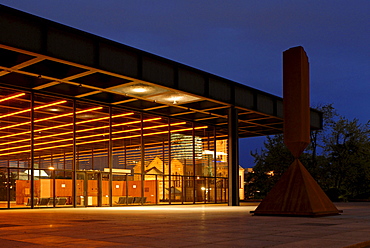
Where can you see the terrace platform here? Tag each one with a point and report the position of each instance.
(182, 226)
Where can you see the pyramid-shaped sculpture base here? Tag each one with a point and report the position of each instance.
(296, 194)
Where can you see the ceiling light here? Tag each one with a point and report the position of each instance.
(140, 89)
(174, 98)
(55, 109)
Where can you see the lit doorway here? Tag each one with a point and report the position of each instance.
(92, 188)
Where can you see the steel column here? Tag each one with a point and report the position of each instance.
(142, 156)
(74, 164)
(32, 153)
(233, 161)
(110, 158)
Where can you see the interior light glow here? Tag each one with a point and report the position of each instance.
(12, 148)
(87, 129)
(70, 139)
(15, 113)
(101, 140)
(68, 114)
(15, 125)
(137, 135)
(103, 118)
(90, 129)
(152, 127)
(166, 125)
(54, 127)
(99, 134)
(50, 104)
(84, 160)
(95, 156)
(13, 142)
(65, 133)
(53, 117)
(12, 97)
(149, 134)
(70, 124)
(121, 115)
(91, 120)
(50, 147)
(135, 122)
(174, 99)
(93, 135)
(88, 110)
(11, 153)
(54, 141)
(93, 141)
(139, 89)
(125, 131)
(63, 125)
(35, 108)
(14, 134)
(63, 140)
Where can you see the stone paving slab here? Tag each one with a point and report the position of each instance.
(182, 226)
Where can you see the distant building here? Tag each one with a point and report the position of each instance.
(182, 146)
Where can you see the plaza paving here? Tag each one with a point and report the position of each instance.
(182, 226)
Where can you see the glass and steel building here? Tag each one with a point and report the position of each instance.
(85, 121)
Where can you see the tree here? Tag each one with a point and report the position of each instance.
(348, 151)
(270, 164)
(313, 158)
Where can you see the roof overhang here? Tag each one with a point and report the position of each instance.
(47, 57)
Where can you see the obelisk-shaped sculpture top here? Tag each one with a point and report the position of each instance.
(296, 99)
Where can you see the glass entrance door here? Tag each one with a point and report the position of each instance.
(92, 188)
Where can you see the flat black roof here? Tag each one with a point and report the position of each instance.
(45, 56)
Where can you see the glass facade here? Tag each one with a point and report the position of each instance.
(57, 152)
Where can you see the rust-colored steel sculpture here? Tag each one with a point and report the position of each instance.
(296, 193)
(296, 100)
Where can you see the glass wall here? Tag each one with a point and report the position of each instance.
(57, 152)
(155, 152)
(15, 149)
(221, 168)
(52, 145)
(92, 137)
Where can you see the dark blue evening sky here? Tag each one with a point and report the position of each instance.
(241, 40)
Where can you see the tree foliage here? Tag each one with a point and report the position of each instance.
(347, 148)
(270, 164)
(338, 158)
